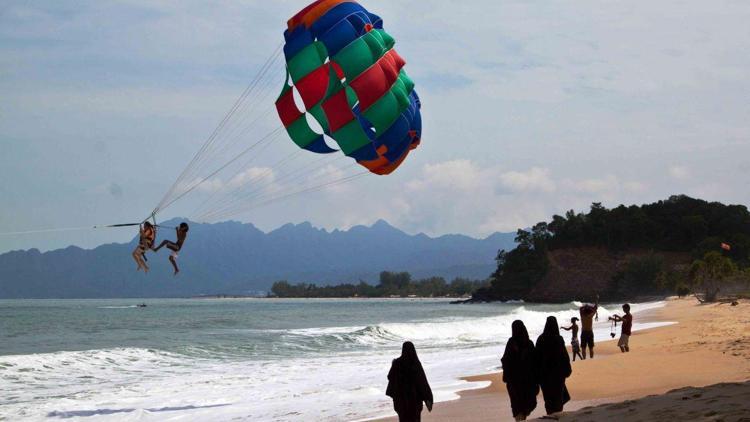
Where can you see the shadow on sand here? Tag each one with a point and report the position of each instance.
(97, 412)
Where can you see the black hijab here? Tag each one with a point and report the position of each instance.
(409, 352)
(551, 328)
(518, 330)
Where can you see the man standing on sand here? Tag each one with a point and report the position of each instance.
(588, 314)
(627, 326)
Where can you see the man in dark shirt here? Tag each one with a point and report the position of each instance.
(175, 247)
(627, 326)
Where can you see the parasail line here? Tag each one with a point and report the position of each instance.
(256, 192)
(216, 131)
(292, 194)
(63, 229)
(272, 134)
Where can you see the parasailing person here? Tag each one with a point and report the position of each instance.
(147, 236)
(181, 232)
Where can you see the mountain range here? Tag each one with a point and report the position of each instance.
(239, 259)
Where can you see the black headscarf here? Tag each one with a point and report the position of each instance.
(551, 328)
(409, 353)
(518, 331)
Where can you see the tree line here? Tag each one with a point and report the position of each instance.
(391, 284)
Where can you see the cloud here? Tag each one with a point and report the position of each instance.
(679, 172)
(463, 196)
(454, 174)
(535, 179)
(248, 179)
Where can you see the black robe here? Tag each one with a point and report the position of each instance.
(553, 366)
(408, 386)
(519, 375)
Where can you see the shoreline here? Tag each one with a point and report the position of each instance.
(656, 364)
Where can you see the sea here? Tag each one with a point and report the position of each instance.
(247, 359)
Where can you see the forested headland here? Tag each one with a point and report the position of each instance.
(679, 245)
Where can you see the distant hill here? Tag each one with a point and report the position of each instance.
(619, 253)
(237, 258)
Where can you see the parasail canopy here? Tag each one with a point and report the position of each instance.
(342, 64)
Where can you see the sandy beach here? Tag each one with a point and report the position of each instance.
(710, 344)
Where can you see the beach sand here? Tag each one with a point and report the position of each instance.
(719, 402)
(710, 344)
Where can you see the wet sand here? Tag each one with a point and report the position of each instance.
(710, 344)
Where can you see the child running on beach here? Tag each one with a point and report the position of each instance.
(574, 345)
(627, 326)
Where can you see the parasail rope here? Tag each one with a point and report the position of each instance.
(273, 134)
(209, 142)
(310, 189)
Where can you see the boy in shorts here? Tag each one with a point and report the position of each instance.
(574, 345)
(175, 247)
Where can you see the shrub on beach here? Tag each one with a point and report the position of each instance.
(708, 274)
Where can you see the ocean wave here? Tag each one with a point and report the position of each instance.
(454, 331)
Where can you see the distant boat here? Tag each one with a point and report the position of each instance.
(141, 305)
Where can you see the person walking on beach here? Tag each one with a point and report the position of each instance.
(588, 314)
(575, 347)
(553, 366)
(627, 326)
(408, 386)
(519, 372)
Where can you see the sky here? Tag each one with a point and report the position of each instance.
(530, 109)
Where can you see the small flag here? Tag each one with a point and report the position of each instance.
(726, 246)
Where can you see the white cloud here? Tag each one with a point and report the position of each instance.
(679, 172)
(534, 179)
(454, 174)
(463, 196)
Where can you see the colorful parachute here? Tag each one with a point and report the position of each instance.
(351, 81)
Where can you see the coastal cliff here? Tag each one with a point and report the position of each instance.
(584, 272)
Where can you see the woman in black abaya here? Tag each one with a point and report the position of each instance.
(553, 366)
(408, 386)
(518, 372)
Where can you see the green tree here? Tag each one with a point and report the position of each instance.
(708, 274)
